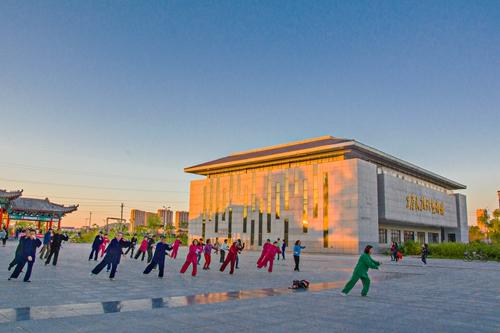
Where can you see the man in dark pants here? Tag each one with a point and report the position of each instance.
(19, 252)
(131, 248)
(96, 245)
(159, 257)
(29, 245)
(55, 246)
(113, 255)
(151, 242)
(44, 252)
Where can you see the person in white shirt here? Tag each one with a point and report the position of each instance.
(223, 249)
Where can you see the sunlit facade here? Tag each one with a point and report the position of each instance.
(334, 194)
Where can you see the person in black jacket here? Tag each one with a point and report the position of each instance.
(29, 245)
(131, 248)
(19, 251)
(55, 246)
(151, 243)
(113, 255)
(159, 257)
(96, 245)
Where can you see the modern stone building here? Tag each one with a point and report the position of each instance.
(334, 194)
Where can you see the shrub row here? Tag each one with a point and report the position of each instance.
(453, 250)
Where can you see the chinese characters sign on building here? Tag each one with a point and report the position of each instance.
(422, 203)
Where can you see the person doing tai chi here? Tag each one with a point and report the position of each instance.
(361, 272)
(175, 248)
(131, 248)
(265, 249)
(142, 248)
(113, 255)
(96, 245)
(207, 251)
(159, 257)
(28, 255)
(55, 246)
(192, 258)
(272, 251)
(231, 256)
(105, 242)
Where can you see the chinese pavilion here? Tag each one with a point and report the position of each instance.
(14, 207)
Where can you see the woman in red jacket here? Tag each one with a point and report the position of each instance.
(231, 256)
(104, 243)
(143, 248)
(192, 258)
(272, 251)
(265, 249)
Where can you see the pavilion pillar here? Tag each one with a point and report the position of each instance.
(1, 218)
(59, 224)
(8, 220)
(39, 225)
(51, 222)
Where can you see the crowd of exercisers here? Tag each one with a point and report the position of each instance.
(111, 252)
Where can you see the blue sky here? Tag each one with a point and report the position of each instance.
(107, 101)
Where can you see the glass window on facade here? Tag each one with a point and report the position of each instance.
(296, 182)
(382, 236)
(395, 236)
(278, 201)
(433, 237)
(325, 210)
(409, 235)
(287, 191)
(315, 191)
(421, 237)
(204, 214)
(305, 223)
(451, 238)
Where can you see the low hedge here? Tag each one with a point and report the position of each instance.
(453, 250)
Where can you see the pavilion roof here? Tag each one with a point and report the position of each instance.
(41, 205)
(10, 194)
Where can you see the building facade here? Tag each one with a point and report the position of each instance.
(168, 219)
(139, 218)
(181, 220)
(335, 195)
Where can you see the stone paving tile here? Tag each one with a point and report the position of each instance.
(445, 296)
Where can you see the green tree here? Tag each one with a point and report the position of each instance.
(475, 233)
(494, 226)
(154, 223)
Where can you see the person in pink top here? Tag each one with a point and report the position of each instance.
(271, 254)
(104, 243)
(192, 258)
(265, 249)
(143, 248)
(175, 248)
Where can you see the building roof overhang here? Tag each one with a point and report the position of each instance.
(316, 148)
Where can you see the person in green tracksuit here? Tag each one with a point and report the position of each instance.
(365, 262)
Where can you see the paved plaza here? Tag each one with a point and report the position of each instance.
(445, 296)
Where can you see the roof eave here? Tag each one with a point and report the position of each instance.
(439, 179)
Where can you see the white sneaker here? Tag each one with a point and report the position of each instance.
(343, 294)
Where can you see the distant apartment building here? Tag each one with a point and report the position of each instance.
(181, 219)
(169, 216)
(139, 218)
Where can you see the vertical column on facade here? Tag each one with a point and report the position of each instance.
(269, 203)
(325, 210)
